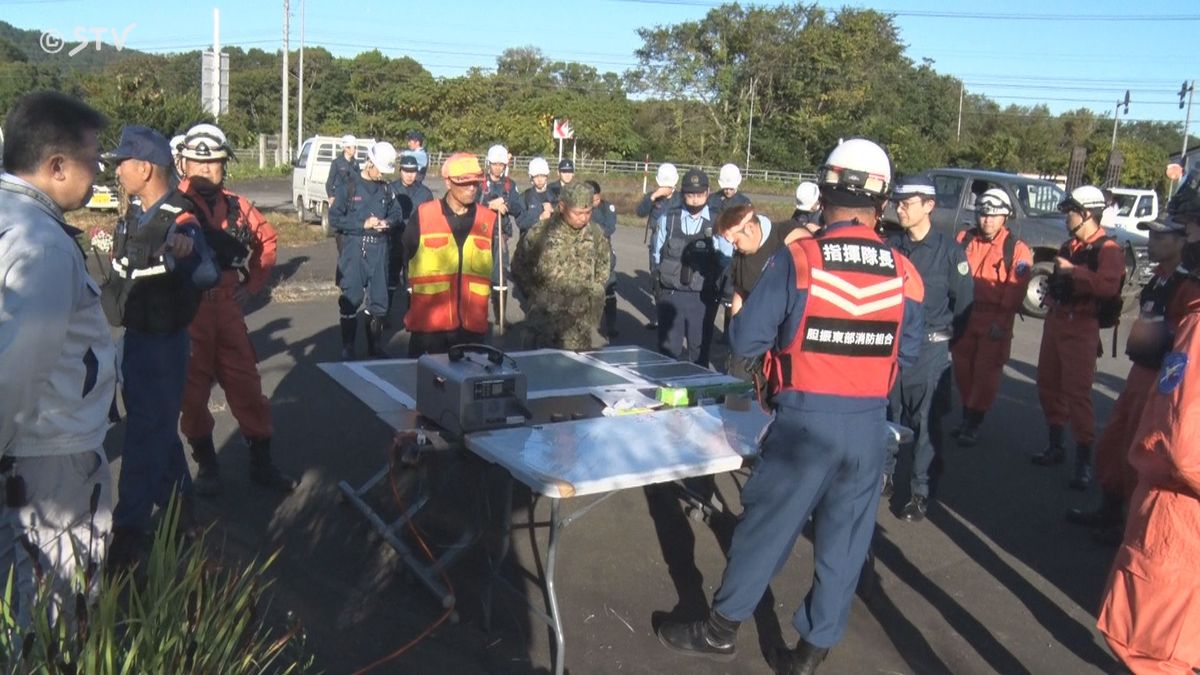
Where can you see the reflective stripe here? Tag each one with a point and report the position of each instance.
(121, 267)
(859, 292)
(856, 309)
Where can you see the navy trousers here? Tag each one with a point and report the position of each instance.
(153, 465)
(364, 266)
(686, 315)
(919, 401)
(825, 465)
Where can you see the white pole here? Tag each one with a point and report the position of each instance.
(750, 130)
(300, 90)
(216, 64)
(958, 132)
(572, 149)
(284, 148)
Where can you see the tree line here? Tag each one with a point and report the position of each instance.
(806, 76)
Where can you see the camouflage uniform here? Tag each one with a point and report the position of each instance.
(563, 272)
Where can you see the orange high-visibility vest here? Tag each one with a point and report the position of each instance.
(450, 285)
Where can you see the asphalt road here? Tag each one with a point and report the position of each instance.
(993, 581)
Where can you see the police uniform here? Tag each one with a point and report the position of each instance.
(718, 202)
(340, 170)
(365, 254)
(154, 299)
(506, 189)
(531, 207)
(921, 395)
(410, 197)
(555, 188)
(689, 267)
(652, 210)
(605, 215)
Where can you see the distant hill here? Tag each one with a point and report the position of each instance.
(27, 42)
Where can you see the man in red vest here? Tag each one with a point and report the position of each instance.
(449, 246)
(834, 316)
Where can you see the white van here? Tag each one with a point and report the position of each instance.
(311, 169)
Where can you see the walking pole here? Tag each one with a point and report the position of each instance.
(502, 288)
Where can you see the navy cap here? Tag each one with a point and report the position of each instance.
(912, 186)
(408, 162)
(144, 143)
(415, 135)
(695, 181)
(566, 165)
(1169, 224)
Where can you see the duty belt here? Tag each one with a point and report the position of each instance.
(943, 335)
(374, 238)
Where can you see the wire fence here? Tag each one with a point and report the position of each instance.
(597, 166)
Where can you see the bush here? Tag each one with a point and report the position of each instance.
(178, 613)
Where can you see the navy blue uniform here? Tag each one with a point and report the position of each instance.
(531, 205)
(364, 259)
(718, 202)
(821, 457)
(410, 198)
(340, 170)
(605, 215)
(490, 189)
(688, 263)
(921, 396)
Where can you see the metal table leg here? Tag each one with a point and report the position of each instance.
(551, 596)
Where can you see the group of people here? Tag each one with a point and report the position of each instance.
(840, 328)
(185, 257)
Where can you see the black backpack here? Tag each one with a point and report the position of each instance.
(1108, 310)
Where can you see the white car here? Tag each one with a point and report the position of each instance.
(1133, 206)
(311, 169)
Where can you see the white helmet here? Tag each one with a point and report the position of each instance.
(667, 175)
(729, 177)
(807, 194)
(176, 145)
(349, 140)
(1087, 197)
(994, 202)
(857, 173)
(497, 154)
(539, 167)
(205, 142)
(383, 156)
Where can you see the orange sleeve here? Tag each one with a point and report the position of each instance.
(1105, 282)
(1018, 277)
(263, 245)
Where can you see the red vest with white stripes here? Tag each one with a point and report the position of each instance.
(850, 332)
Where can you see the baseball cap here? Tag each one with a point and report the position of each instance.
(1168, 224)
(461, 168)
(695, 181)
(566, 166)
(576, 194)
(408, 162)
(144, 143)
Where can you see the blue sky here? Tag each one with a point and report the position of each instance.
(1021, 51)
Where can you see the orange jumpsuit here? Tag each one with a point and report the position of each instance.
(1071, 339)
(221, 348)
(980, 354)
(1163, 305)
(1150, 614)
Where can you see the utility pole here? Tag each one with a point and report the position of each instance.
(750, 128)
(1190, 90)
(284, 147)
(962, 87)
(1117, 117)
(300, 89)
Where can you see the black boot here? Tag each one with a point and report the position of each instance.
(125, 550)
(1082, 478)
(968, 434)
(263, 471)
(1054, 452)
(375, 338)
(207, 482)
(803, 660)
(349, 331)
(1108, 514)
(715, 637)
(610, 317)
